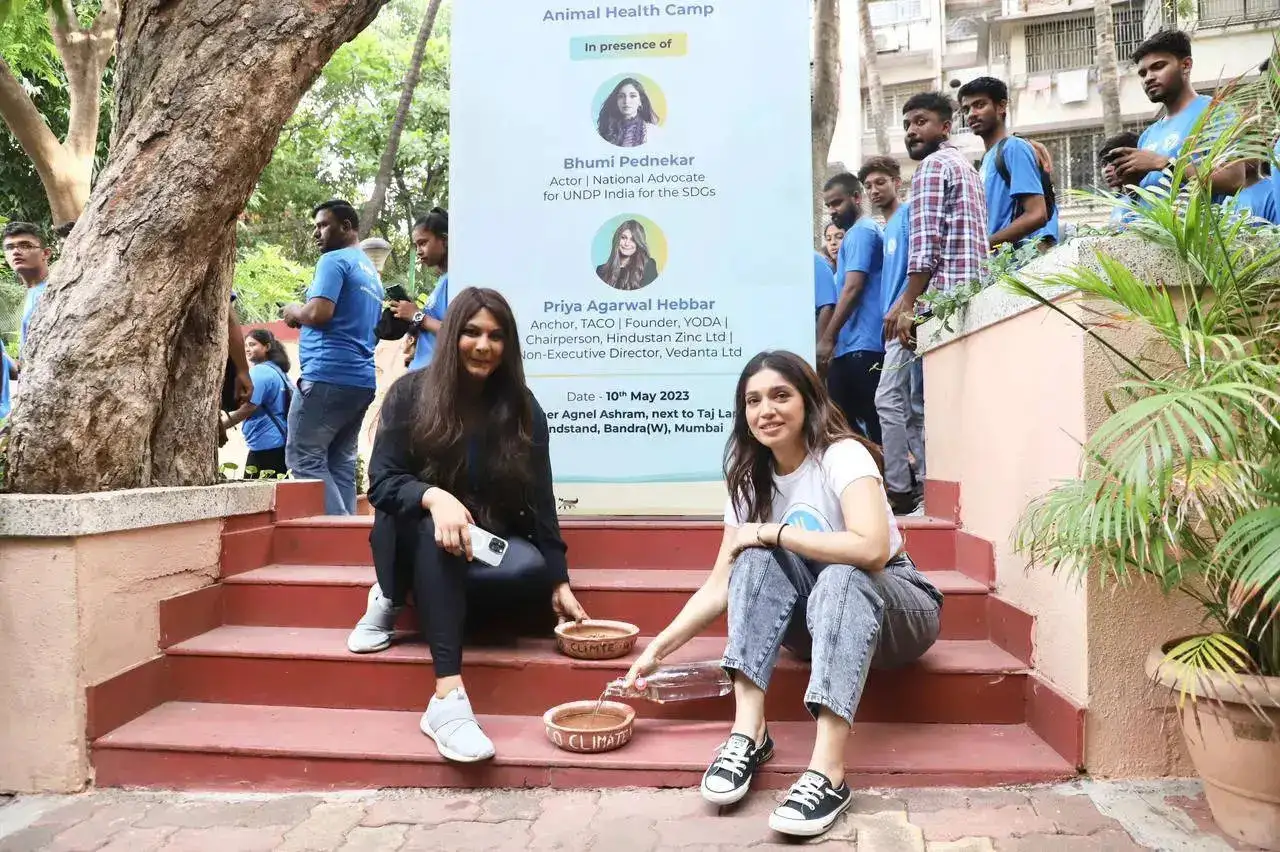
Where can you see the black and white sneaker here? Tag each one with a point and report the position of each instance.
(811, 807)
(729, 776)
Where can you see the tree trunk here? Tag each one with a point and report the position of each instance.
(386, 165)
(870, 61)
(1108, 66)
(826, 97)
(121, 383)
(65, 168)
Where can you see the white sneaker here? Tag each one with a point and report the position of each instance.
(375, 631)
(452, 724)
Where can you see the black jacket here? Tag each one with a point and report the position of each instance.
(396, 486)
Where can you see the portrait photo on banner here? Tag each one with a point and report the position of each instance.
(629, 252)
(629, 111)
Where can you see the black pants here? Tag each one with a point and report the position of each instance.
(459, 600)
(852, 381)
(266, 460)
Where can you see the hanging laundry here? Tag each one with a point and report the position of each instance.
(1073, 86)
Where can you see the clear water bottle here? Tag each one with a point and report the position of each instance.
(684, 682)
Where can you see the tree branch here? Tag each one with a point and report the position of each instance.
(26, 124)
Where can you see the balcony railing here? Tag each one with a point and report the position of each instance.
(1223, 12)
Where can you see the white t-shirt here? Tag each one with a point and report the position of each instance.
(809, 496)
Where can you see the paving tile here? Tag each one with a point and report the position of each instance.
(325, 829)
(509, 836)
(502, 805)
(565, 819)
(199, 813)
(654, 805)
(624, 834)
(139, 840)
(36, 838)
(110, 817)
(969, 844)
(1071, 814)
(887, 832)
(286, 811)
(958, 798)
(423, 808)
(1103, 841)
(386, 838)
(733, 829)
(1008, 821)
(224, 838)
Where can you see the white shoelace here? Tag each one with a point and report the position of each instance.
(807, 791)
(734, 756)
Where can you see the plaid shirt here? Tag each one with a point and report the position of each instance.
(948, 219)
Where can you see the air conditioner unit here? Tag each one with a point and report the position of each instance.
(886, 41)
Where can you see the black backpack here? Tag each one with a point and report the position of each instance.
(1046, 182)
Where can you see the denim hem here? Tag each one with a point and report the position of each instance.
(814, 701)
(732, 665)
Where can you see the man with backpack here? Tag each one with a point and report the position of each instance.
(1020, 199)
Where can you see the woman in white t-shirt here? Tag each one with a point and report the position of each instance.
(811, 558)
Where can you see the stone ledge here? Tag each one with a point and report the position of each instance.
(69, 515)
(995, 304)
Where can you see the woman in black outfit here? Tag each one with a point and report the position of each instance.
(464, 442)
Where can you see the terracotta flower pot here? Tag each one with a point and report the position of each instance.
(595, 639)
(1235, 750)
(577, 727)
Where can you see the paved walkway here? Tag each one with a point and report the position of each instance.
(1086, 816)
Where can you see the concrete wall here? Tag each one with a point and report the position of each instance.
(1011, 394)
(81, 578)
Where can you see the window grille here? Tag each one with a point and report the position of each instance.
(895, 97)
(1069, 43)
(886, 13)
(1223, 12)
(1075, 161)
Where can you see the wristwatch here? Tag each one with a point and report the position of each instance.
(418, 318)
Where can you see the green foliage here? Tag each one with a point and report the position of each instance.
(332, 145)
(1181, 484)
(26, 44)
(1007, 260)
(264, 278)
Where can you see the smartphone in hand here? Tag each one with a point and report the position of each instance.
(487, 547)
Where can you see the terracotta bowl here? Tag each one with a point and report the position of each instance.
(594, 639)
(577, 727)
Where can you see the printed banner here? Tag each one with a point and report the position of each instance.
(636, 180)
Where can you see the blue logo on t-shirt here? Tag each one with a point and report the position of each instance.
(806, 517)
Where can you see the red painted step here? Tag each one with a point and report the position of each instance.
(955, 682)
(335, 596)
(667, 543)
(238, 747)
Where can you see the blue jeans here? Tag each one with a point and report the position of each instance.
(324, 434)
(844, 620)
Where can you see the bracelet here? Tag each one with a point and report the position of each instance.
(781, 527)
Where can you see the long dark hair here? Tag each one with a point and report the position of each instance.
(609, 122)
(749, 465)
(502, 416)
(276, 353)
(627, 273)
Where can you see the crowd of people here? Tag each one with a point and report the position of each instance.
(880, 256)
(819, 460)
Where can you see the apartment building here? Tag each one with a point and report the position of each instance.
(1045, 50)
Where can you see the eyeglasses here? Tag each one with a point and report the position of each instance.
(16, 247)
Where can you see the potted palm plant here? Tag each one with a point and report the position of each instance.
(1181, 484)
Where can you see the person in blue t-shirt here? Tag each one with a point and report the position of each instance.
(824, 292)
(899, 398)
(1164, 66)
(5, 367)
(266, 413)
(1256, 200)
(1120, 215)
(431, 241)
(28, 255)
(338, 379)
(852, 346)
(1017, 209)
